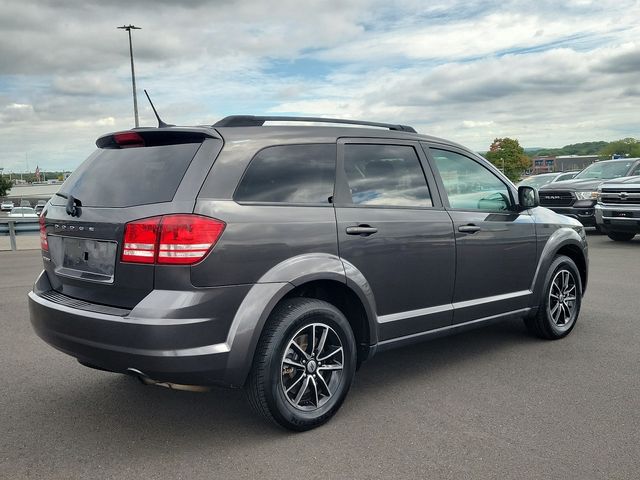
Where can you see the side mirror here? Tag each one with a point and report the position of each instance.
(528, 197)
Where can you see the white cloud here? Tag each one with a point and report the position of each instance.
(16, 112)
(547, 72)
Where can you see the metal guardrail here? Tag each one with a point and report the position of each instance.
(11, 223)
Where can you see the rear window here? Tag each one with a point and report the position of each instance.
(290, 174)
(129, 176)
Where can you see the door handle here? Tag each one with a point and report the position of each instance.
(364, 230)
(468, 228)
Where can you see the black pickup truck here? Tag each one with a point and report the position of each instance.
(577, 197)
(618, 208)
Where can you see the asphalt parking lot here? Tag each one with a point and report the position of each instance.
(491, 403)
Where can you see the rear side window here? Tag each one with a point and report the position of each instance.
(290, 174)
(385, 175)
(129, 176)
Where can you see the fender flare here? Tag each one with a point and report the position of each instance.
(273, 286)
(558, 239)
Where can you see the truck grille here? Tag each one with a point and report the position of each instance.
(549, 198)
(621, 197)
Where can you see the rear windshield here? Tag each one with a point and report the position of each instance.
(129, 176)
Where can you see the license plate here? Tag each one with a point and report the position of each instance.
(83, 258)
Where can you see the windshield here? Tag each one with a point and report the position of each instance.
(537, 181)
(565, 176)
(615, 169)
(22, 211)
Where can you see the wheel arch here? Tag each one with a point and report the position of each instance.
(564, 241)
(321, 276)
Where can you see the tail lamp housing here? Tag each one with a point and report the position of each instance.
(179, 239)
(44, 243)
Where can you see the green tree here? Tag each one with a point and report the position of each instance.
(507, 154)
(629, 147)
(5, 185)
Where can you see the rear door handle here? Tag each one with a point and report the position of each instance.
(468, 228)
(364, 230)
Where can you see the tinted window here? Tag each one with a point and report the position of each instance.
(129, 176)
(290, 174)
(388, 175)
(469, 185)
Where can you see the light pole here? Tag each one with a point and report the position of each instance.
(128, 28)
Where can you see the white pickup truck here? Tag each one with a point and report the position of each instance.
(618, 208)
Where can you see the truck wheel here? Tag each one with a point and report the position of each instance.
(621, 236)
(304, 364)
(561, 300)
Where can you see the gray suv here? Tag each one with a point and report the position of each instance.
(279, 258)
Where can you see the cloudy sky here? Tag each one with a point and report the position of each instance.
(547, 72)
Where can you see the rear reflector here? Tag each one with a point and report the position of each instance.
(44, 243)
(128, 139)
(182, 239)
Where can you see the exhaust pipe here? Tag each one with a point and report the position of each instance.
(172, 386)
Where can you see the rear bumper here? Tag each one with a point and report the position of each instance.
(162, 343)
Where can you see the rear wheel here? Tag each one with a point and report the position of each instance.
(621, 236)
(560, 306)
(304, 364)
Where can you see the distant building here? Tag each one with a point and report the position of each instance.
(562, 163)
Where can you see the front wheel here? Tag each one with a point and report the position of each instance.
(304, 364)
(560, 305)
(621, 236)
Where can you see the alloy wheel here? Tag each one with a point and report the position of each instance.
(312, 366)
(562, 298)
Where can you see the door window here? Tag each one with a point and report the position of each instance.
(469, 185)
(385, 175)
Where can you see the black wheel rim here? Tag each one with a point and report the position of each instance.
(312, 367)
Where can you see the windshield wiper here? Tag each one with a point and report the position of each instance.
(72, 204)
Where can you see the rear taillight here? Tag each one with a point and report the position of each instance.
(44, 244)
(186, 239)
(182, 239)
(140, 240)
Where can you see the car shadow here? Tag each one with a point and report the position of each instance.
(119, 405)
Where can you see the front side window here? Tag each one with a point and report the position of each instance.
(470, 186)
(290, 174)
(385, 175)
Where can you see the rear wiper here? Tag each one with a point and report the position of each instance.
(72, 204)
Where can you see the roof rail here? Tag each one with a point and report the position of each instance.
(258, 121)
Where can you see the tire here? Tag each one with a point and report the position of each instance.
(621, 236)
(281, 369)
(549, 322)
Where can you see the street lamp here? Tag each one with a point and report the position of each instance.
(128, 28)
